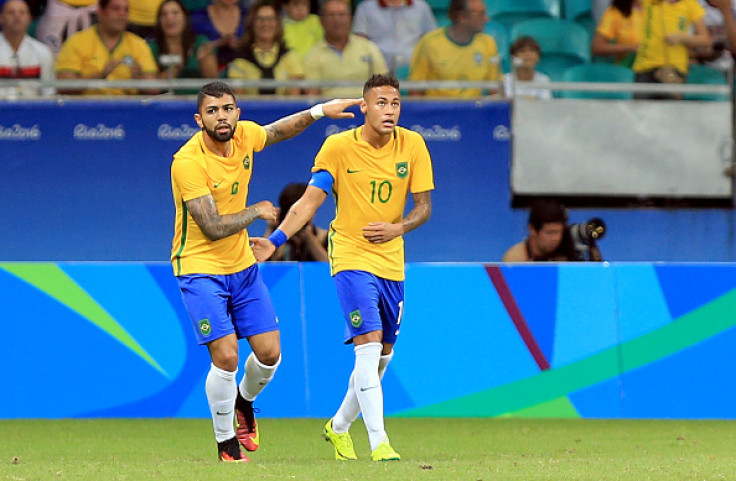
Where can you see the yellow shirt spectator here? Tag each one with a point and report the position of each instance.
(143, 12)
(662, 18)
(437, 57)
(285, 66)
(360, 59)
(302, 35)
(85, 53)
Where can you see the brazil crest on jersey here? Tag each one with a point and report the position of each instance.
(196, 172)
(372, 185)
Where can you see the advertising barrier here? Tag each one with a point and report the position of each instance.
(618, 340)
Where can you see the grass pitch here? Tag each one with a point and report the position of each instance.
(431, 449)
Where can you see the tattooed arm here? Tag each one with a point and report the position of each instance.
(292, 125)
(216, 226)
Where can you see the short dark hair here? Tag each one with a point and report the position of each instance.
(213, 89)
(103, 3)
(524, 42)
(546, 211)
(290, 194)
(379, 80)
(456, 7)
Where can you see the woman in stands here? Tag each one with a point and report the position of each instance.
(178, 51)
(263, 53)
(223, 23)
(618, 33)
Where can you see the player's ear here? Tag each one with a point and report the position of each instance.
(363, 106)
(198, 119)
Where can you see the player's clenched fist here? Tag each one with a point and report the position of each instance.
(266, 210)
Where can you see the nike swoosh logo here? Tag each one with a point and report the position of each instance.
(353, 171)
(223, 414)
(216, 185)
(364, 389)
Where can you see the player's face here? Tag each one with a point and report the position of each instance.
(15, 17)
(382, 107)
(114, 17)
(548, 238)
(219, 117)
(173, 19)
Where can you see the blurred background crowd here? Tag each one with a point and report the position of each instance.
(652, 41)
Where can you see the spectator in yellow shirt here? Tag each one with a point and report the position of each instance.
(458, 52)
(106, 51)
(618, 32)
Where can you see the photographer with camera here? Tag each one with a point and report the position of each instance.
(552, 239)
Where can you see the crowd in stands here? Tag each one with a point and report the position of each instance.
(335, 40)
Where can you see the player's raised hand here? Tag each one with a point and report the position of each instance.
(380, 232)
(262, 248)
(266, 211)
(335, 109)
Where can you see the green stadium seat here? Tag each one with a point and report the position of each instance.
(576, 9)
(564, 43)
(500, 33)
(597, 72)
(438, 6)
(702, 74)
(510, 12)
(556, 37)
(193, 5)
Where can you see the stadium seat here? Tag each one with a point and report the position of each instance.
(439, 7)
(499, 32)
(510, 12)
(580, 11)
(576, 9)
(564, 43)
(596, 72)
(442, 19)
(702, 74)
(193, 5)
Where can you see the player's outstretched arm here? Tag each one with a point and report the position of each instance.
(301, 212)
(380, 232)
(216, 226)
(292, 125)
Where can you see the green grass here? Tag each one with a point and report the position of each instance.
(431, 449)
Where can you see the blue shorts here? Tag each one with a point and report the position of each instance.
(370, 303)
(219, 305)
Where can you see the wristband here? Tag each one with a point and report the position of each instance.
(317, 112)
(277, 238)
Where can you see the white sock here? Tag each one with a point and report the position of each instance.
(220, 388)
(368, 390)
(256, 377)
(350, 409)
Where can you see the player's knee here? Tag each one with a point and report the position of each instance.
(227, 360)
(269, 356)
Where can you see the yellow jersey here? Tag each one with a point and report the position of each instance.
(372, 185)
(659, 19)
(195, 172)
(284, 66)
(86, 54)
(143, 12)
(437, 57)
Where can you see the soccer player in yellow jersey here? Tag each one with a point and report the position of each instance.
(372, 170)
(220, 284)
